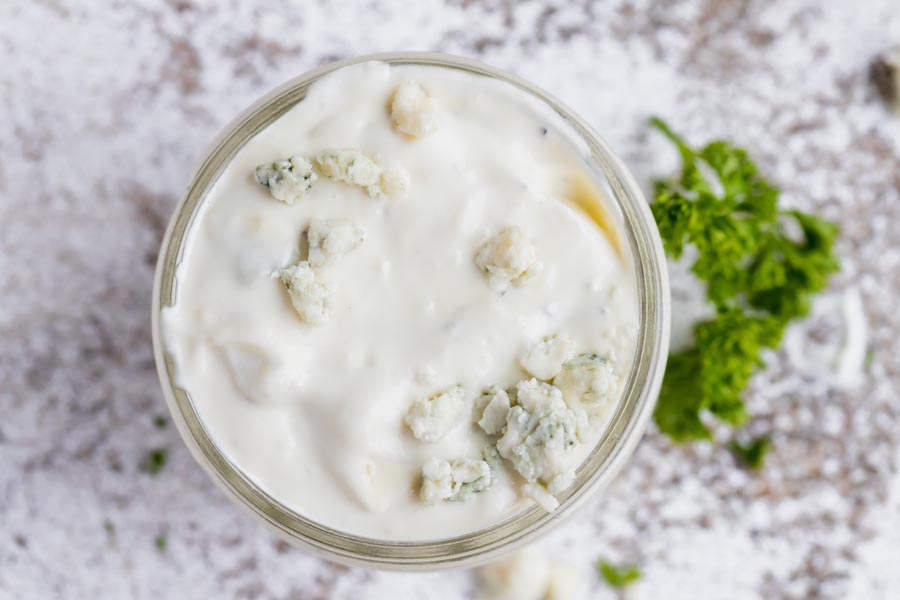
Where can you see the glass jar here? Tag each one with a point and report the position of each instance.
(627, 422)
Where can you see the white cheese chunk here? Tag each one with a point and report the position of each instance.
(508, 257)
(491, 409)
(394, 181)
(332, 238)
(287, 179)
(413, 110)
(309, 296)
(431, 418)
(545, 358)
(353, 167)
(589, 384)
(455, 480)
(541, 495)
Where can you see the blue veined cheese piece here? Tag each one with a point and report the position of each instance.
(455, 480)
(353, 167)
(310, 297)
(287, 179)
(539, 437)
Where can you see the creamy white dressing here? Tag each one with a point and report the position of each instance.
(315, 414)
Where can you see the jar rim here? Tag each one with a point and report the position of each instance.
(623, 431)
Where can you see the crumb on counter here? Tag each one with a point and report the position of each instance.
(885, 75)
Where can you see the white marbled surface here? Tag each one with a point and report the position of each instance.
(106, 105)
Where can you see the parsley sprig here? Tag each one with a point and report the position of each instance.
(761, 266)
(617, 576)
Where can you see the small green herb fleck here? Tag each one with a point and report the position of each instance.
(109, 527)
(761, 266)
(155, 461)
(618, 577)
(161, 543)
(753, 453)
(160, 422)
(870, 358)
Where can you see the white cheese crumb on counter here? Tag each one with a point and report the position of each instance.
(529, 575)
(455, 480)
(508, 257)
(545, 358)
(431, 418)
(413, 110)
(309, 296)
(287, 179)
(332, 238)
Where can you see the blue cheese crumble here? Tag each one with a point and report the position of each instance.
(508, 258)
(413, 110)
(288, 179)
(353, 167)
(589, 384)
(540, 435)
(456, 480)
(544, 358)
(310, 297)
(431, 418)
(332, 238)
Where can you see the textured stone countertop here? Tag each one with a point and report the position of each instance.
(104, 110)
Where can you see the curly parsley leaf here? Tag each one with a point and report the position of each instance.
(761, 266)
(618, 577)
(753, 453)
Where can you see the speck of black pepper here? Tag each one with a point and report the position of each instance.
(884, 73)
(543, 131)
(160, 422)
(20, 540)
